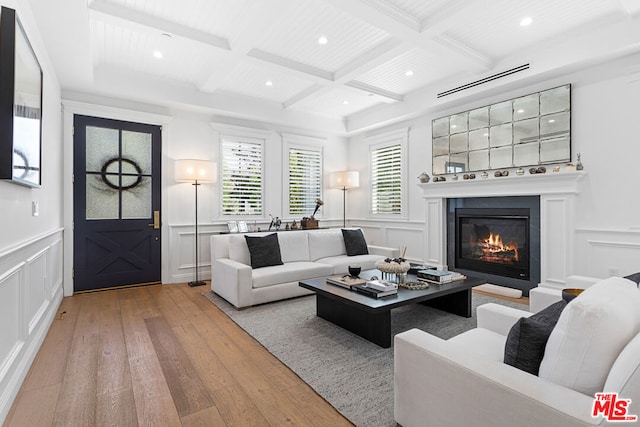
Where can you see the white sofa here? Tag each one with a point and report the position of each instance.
(464, 382)
(305, 254)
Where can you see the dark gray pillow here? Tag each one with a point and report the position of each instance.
(635, 277)
(354, 242)
(528, 338)
(264, 251)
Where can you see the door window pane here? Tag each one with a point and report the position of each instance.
(136, 147)
(136, 202)
(102, 146)
(102, 201)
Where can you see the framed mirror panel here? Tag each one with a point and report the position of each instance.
(531, 130)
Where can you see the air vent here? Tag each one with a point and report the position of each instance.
(484, 80)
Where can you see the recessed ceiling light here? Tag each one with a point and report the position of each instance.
(268, 83)
(323, 40)
(520, 111)
(345, 102)
(552, 121)
(526, 21)
(453, 126)
(409, 73)
(157, 54)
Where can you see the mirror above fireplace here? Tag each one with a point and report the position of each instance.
(531, 130)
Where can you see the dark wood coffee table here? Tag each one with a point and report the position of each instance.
(370, 318)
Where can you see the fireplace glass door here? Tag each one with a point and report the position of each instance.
(494, 241)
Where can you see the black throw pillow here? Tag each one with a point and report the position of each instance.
(264, 251)
(635, 277)
(528, 338)
(354, 242)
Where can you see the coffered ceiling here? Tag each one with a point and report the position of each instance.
(381, 60)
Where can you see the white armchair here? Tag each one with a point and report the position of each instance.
(463, 381)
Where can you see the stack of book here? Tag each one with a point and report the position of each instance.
(346, 281)
(376, 288)
(439, 276)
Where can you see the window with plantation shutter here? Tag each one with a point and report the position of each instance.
(386, 180)
(241, 176)
(305, 180)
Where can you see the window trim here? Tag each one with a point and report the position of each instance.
(398, 137)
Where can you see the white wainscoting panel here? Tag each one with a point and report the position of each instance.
(556, 239)
(37, 298)
(607, 252)
(30, 294)
(182, 252)
(395, 234)
(10, 334)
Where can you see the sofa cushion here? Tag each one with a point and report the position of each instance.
(238, 249)
(341, 263)
(528, 337)
(294, 246)
(354, 242)
(590, 334)
(289, 272)
(324, 244)
(481, 342)
(264, 251)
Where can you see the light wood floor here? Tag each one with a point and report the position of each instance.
(159, 356)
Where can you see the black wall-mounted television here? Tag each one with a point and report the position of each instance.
(20, 104)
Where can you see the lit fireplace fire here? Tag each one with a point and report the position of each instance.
(492, 249)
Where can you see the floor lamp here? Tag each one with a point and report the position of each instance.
(196, 172)
(344, 180)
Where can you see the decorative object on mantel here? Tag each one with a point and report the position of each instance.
(424, 177)
(484, 175)
(454, 177)
(294, 225)
(556, 169)
(520, 172)
(540, 169)
(579, 166)
(439, 179)
(394, 266)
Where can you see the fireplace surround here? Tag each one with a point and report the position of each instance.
(556, 192)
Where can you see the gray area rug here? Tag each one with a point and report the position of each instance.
(351, 373)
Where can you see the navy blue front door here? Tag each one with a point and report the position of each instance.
(116, 193)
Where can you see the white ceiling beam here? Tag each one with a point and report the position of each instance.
(374, 57)
(257, 21)
(376, 90)
(286, 63)
(108, 11)
(373, 12)
(314, 90)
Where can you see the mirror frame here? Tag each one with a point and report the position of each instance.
(454, 159)
(20, 160)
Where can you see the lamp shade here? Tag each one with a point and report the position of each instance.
(191, 170)
(344, 179)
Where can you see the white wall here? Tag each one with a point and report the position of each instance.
(31, 246)
(604, 131)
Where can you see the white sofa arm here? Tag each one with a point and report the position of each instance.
(437, 384)
(233, 281)
(384, 251)
(499, 318)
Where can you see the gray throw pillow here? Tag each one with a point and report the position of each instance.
(354, 242)
(528, 338)
(635, 277)
(264, 251)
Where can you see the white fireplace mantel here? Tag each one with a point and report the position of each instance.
(512, 185)
(557, 191)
